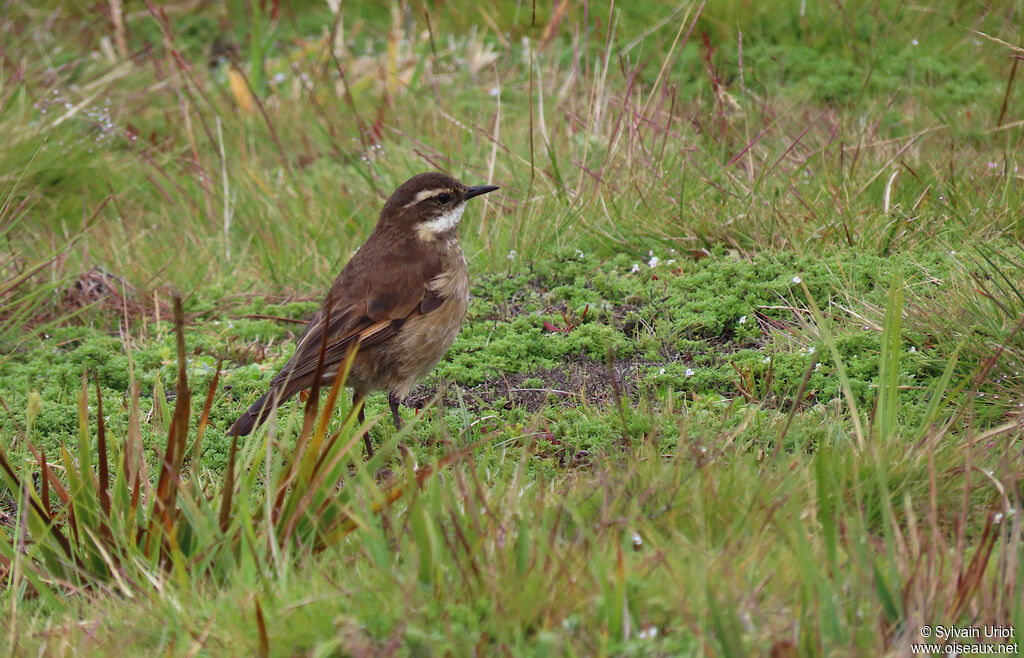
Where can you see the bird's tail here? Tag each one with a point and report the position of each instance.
(257, 413)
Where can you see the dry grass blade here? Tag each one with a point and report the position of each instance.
(51, 477)
(103, 488)
(315, 484)
(15, 484)
(228, 487)
(395, 492)
(968, 582)
(204, 418)
(44, 469)
(313, 468)
(309, 416)
(312, 403)
(261, 626)
(170, 471)
(134, 459)
(84, 449)
(796, 404)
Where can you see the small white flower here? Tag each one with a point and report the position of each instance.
(637, 540)
(817, 366)
(797, 279)
(766, 359)
(648, 633)
(579, 254)
(653, 262)
(670, 261)
(810, 350)
(914, 41)
(661, 371)
(912, 349)
(743, 319)
(493, 92)
(511, 254)
(635, 268)
(997, 517)
(689, 372)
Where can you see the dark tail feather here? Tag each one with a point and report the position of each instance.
(256, 415)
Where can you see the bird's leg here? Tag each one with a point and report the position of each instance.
(357, 402)
(393, 402)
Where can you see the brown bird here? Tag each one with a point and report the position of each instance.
(399, 302)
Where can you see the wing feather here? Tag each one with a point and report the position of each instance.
(369, 302)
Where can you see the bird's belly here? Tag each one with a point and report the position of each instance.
(415, 350)
(423, 340)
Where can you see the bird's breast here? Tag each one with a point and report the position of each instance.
(441, 325)
(452, 283)
(423, 340)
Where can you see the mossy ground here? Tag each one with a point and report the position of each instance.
(710, 326)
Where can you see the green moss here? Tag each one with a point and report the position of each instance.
(721, 326)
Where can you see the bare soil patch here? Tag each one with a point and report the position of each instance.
(580, 382)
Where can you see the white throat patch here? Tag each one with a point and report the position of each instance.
(442, 224)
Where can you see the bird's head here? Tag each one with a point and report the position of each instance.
(429, 204)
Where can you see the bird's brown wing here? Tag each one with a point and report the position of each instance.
(368, 303)
(370, 300)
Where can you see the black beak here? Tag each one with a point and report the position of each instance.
(477, 190)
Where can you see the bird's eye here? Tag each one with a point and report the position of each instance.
(444, 198)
